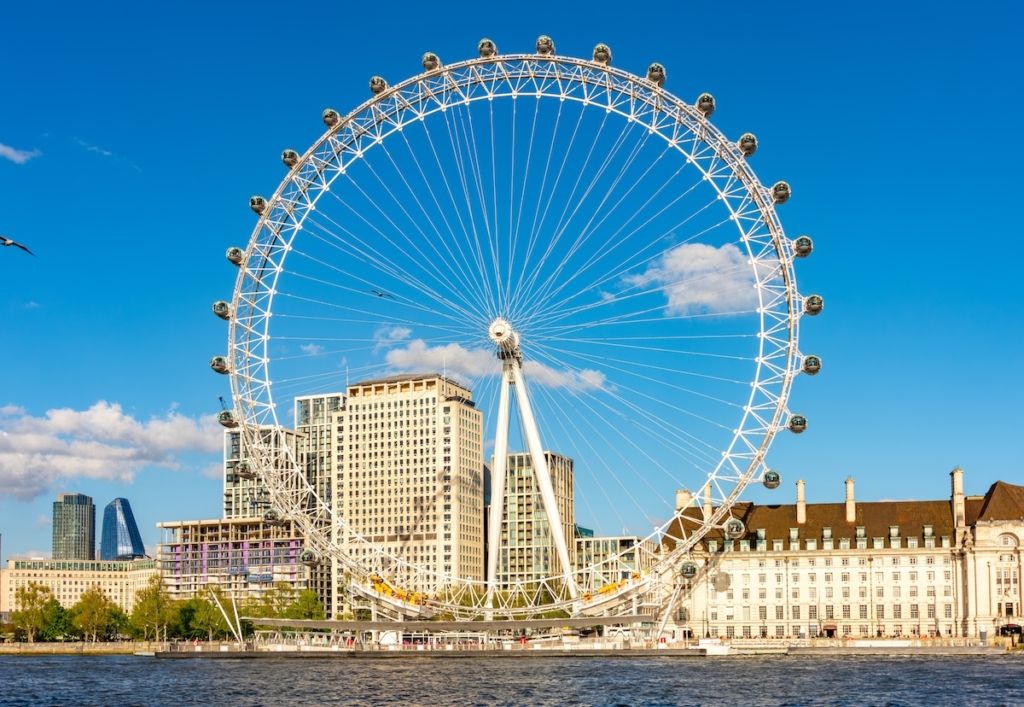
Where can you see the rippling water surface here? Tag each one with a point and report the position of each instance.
(557, 680)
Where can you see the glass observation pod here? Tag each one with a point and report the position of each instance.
(734, 528)
(688, 570)
(747, 144)
(603, 54)
(656, 74)
(235, 255)
(431, 62)
(487, 48)
(243, 470)
(290, 158)
(781, 192)
(706, 104)
(797, 424)
(273, 517)
(222, 309)
(811, 364)
(258, 204)
(227, 418)
(378, 85)
(803, 246)
(308, 558)
(219, 364)
(814, 304)
(545, 45)
(771, 479)
(331, 117)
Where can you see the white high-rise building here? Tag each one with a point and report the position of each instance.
(527, 551)
(409, 477)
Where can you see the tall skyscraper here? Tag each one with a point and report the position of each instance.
(527, 551)
(121, 539)
(74, 527)
(409, 469)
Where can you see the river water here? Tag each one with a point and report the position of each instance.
(730, 682)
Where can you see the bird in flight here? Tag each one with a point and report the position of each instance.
(380, 294)
(8, 242)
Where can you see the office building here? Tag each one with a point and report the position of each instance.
(74, 527)
(409, 476)
(120, 580)
(121, 539)
(858, 570)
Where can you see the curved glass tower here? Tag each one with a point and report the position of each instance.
(121, 538)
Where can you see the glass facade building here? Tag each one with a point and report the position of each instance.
(121, 538)
(74, 527)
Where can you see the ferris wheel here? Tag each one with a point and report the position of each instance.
(595, 266)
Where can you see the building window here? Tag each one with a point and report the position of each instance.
(846, 611)
(947, 611)
(863, 611)
(880, 611)
(914, 613)
(796, 613)
(779, 612)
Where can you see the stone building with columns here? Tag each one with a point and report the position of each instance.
(860, 569)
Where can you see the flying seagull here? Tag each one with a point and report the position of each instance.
(8, 242)
(380, 294)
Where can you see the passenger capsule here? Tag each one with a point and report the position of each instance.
(747, 144)
(331, 117)
(811, 365)
(222, 309)
(656, 74)
(706, 104)
(290, 158)
(781, 192)
(308, 558)
(235, 255)
(814, 304)
(734, 528)
(378, 85)
(602, 54)
(258, 204)
(227, 418)
(688, 569)
(431, 62)
(219, 364)
(797, 424)
(545, 45)
(803, 246)
(487, 48)
(243, 470)
(771, 479)
(273, 517)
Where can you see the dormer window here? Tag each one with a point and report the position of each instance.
(794, 533)
(860, 532)
(928, 531)
(760, 533)
(826, 533)
(894, 531)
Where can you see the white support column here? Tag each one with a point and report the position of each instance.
(543, 474)
(498, 482)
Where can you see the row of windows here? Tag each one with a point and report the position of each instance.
(863, 612)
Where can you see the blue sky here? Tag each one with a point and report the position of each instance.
(134, 134)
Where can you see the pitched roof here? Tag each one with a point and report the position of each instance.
(1002, 502)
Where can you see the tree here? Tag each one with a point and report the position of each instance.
(57, 624)
(31, 601)
(94, 613)
(306, 606)
(200, 616)
(153, 609)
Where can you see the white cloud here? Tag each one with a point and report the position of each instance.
(43, 521)
(549, 377)
(94, 148)
(474, 363)
(312, 349)
(17, 156)
(33, 305)
(417, 356)
(388, 335)
(700, 279)
(213, 471)
(102, 442)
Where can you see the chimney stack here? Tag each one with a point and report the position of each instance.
(683, 499)
(706, 507)
(957, 499)
(801, 505)
(851, 507)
